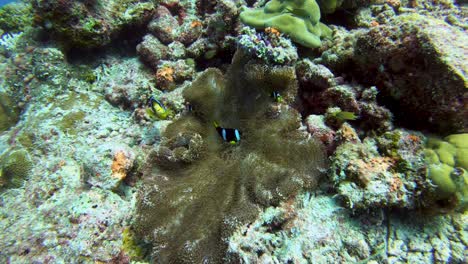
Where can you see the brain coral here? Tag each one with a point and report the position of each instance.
(15, 166)
(201, 188)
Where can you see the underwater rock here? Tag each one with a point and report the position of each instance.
(167, 28)
(422, 238)
(172, 73)
(420, 63)
(321, 93)
(151, 50)
(126, 84)
(317, 127)
(338, 51)
(90, 24)
(197, 188)
(108, 165)
(122, 164)
(386, 171)
(314, 75)
(198, 31)
(416, 62)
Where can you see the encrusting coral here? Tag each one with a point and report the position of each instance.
(202, 188)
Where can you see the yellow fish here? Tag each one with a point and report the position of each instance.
(157, 109)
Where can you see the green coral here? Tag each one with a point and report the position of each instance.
(299, 19)
(447, 168)
(15, 166)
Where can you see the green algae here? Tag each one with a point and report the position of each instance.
(15, 17)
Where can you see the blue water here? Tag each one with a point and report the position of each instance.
(4, 2)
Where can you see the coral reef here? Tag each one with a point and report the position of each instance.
(69, 208)
(234, 168)
(212, 187)
(89, 24)
(184, 29)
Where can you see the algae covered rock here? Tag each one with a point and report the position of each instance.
(385, 171)
(421, 64)
(15, 166)
(16, 17)
(89, 24)
(298, 19)
(198, 188)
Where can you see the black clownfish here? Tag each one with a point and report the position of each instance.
(231, 135)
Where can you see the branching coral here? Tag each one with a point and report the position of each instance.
(204, 188)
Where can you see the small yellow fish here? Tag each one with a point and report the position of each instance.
(157, 109)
